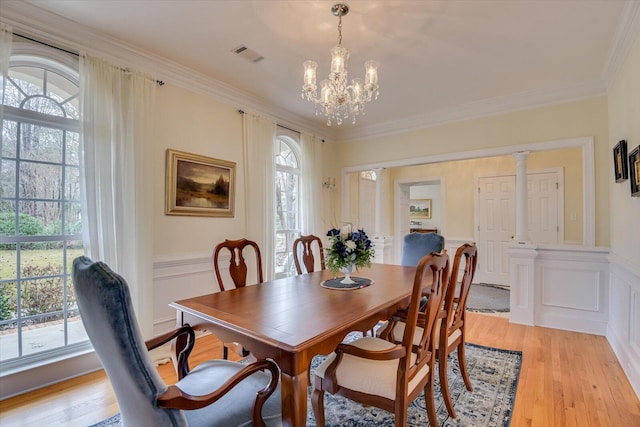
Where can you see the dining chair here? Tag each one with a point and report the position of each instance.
(417, 245)
(216, 392)
(304, 248)
(238, 271)
(451, 323)
(387, 375)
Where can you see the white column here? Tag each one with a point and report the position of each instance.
(522, 199)
(379, 198)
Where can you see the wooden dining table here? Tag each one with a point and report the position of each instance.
(293, 319)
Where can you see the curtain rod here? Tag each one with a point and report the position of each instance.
(282, 126)
(159, 82)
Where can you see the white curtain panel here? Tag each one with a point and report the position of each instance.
(6, 35)
(311, 184)
(116, 114)
(259, 135)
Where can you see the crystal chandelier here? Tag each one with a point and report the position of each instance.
(339, 100)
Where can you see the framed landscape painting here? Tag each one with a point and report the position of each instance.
(198, 185)
(420, 208)
(620, 161)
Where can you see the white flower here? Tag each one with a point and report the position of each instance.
(350, 244)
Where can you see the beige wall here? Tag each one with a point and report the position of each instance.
(570, 120)
(459, 190)
(624, 123)
(196, 124)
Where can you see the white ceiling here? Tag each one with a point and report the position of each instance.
(439, 60)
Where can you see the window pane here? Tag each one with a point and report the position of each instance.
(41, 296)
(27, 79)
(72, 184)
(40, 181)
(39, 218)
(7, 178)
(9, 340)
(73, 148)
(9, 138)
(43, 105)
(72, 219)
(76, 328)
(64, 92)
(42, 334)
(41, 143)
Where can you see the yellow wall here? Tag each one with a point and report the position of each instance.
(459, 190)
(555, 122)
(624, 123)
(196, 124)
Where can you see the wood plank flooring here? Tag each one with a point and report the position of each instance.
(566, 379)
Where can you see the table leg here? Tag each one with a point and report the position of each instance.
(294, 398)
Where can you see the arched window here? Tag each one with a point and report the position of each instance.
(40, 220)
(287, 203)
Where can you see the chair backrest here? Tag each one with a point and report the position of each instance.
(417, 245)
(431, 280)
(104, 303)
(237, 263)
(470, 253)
(304, 247)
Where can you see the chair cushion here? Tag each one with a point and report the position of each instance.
(233, 409)
(375, 377)
(417, 245)
(398, 331)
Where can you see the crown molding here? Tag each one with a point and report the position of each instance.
(32, 21)
(626, 34)
(484, 108)
(40, 24)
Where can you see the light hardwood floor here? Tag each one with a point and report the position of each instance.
(566, 379)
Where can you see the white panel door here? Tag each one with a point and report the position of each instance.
(496, 227)
(402, 218)
(543, 207)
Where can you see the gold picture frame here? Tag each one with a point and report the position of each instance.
(198, 185)
(634, 168)
(420, 208)
(620, 170)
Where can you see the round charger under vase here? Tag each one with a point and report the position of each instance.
(358, 283)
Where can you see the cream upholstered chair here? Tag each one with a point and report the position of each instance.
(303, 250)
(238, 271)
(452, 331)
(376, 372)
(215, 393)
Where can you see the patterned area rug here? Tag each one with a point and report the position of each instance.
(494, 374)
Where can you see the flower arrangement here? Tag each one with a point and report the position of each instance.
(348, 248)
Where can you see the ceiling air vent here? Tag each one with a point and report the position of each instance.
(247, 53)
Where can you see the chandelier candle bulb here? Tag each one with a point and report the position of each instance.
(338, 99)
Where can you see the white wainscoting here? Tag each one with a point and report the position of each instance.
(623, 329)
(451, 244)
(176, 278)
(562, 287)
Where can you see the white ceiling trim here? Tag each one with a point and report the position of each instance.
(628, 29)
(59, 31)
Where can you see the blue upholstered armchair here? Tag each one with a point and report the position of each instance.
(417, 245)
(215, 393)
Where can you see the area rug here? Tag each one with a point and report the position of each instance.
(488, 298)
(494, 374)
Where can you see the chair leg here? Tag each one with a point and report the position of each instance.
(317, 403)
(402, 412)
(444, 382)
(430, 403)
(462, 361)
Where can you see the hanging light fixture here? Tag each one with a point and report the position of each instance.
(339, 100)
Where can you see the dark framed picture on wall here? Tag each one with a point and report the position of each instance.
(634, 171)
(620, 169)
(198, 185)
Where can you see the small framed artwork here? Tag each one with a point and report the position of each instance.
(620, 169)
(420, 208)
(198, 185)
(634, 171)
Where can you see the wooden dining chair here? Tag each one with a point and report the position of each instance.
(387, 375)
(238, 271)
(303, 249)
(451, 323)
(452, 320)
